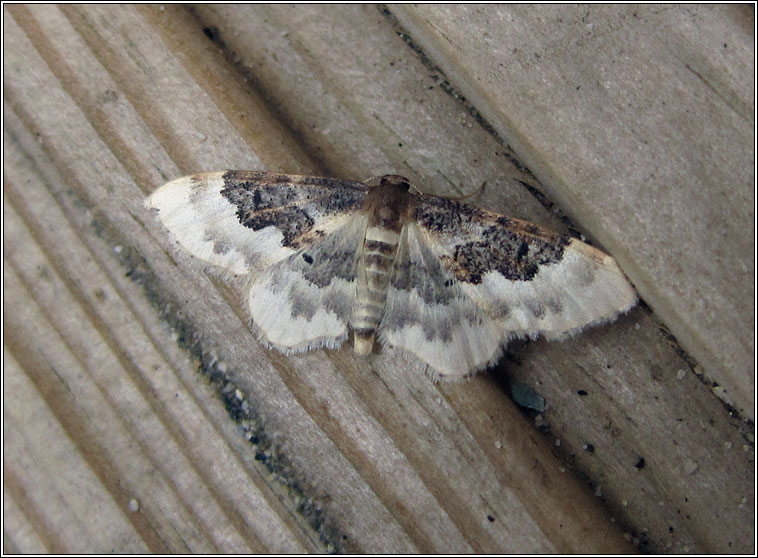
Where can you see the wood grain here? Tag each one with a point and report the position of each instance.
(140, 415)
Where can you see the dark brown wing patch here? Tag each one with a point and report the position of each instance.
(293, 204)
(484, 241)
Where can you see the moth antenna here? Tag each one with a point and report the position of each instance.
(476, 192)
(463, 197)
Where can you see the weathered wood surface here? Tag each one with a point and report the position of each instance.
(639, 122)
(115, 442)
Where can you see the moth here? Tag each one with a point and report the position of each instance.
(445, 282)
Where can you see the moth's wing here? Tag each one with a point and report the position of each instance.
(306, 300)
(427, 314)
(529, 280)
(245, 221)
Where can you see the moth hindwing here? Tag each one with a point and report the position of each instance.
(443, 281)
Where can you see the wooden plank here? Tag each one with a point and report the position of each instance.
(655, 159)
(326, 451)
(639, 359)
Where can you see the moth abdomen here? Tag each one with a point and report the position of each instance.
(379, 251)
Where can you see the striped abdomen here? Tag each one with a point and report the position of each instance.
(388, 207)
(374, 271)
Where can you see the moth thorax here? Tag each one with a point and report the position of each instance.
(379, 250)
